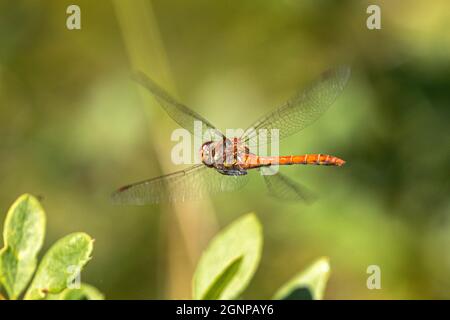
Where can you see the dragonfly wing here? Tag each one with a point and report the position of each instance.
(181, 114)
(304, 108)
(284, 188)
(193, 183)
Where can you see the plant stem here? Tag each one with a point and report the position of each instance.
(187, 226)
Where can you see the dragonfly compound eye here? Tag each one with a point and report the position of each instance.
(205, 154)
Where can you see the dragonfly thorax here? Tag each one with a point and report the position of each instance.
(227, 156)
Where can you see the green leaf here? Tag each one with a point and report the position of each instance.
(61, 265)
(307, 285)
(23, 235)
(85, 292)
(230, 261)
(222, 281)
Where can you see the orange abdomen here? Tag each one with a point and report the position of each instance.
(317, 159)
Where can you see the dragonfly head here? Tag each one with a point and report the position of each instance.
(207, 153)
(217, 153)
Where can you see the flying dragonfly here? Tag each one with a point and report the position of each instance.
(226, 161)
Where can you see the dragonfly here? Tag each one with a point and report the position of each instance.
(226, 161)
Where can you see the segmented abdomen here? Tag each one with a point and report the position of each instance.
(317, 159)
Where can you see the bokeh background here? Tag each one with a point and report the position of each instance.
(74, 127)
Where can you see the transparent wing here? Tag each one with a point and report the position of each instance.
(284, 188)
(304, 108)
(181, 114)
(190, 184)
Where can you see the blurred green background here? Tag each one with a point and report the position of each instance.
(74, 127)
